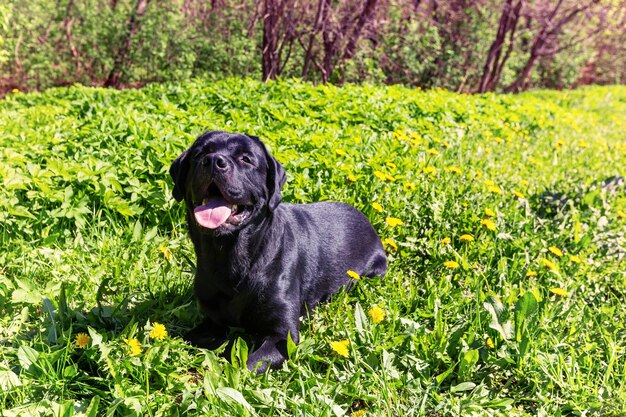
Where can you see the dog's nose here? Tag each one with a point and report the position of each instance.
(215, 162)
(220, 162)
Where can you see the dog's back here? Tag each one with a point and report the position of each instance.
(342, 238)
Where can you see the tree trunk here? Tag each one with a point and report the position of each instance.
(270, 61)
(121, 62)
(329, 42)
(551, 27)
(317, 26)
(494, 64)
(67, 25)
(519, 83)
(364, 17)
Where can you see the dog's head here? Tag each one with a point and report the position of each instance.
(227, 180)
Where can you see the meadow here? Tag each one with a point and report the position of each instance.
(503, 217)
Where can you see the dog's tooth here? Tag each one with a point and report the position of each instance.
(205, 201)
(234, 208)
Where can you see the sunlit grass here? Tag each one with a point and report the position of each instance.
(505, 289)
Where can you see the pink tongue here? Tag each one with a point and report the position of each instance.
(212, 214)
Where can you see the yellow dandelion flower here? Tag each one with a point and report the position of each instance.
(530, 274)
(498, 140)
(389, 177)
(445, 241)
(429, 170)
(550, 265)
(489, 224)
(518, 194)
(533, 161)
(353, 274)
(455, 170)
(82, 340)
(490, 343)
(391, 165)
(451, 264)
(524, 183)
(555, 251)
(166, 252)
(489, 213)
(621, 214)
(377, 314)
(409, 186)
(494, 189)
(341, 347)
(393, 221)
(583, 144)
(340, 152)
(433, 151)
(351, 178)
(466, 238)
(391, 243)
(560, 291)
(358, 413)
(575, 259)
(134, 345)
(377, 207)
(400, 135)
(158, 331)
(380, 175)
(446, 144)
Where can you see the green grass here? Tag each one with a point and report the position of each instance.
(91, 242)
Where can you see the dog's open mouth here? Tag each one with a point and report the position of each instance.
(216, 211)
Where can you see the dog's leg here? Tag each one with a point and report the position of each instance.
(272, 353)
(207, 335)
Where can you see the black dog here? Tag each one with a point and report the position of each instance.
(262, 264)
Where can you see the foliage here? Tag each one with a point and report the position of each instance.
(504, 294)
(46, 43)
(170, 44)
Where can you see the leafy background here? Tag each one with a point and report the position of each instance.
(524, 319)
(47, 43)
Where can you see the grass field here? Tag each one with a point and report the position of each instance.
(506, 246)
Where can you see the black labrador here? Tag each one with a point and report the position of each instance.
(262, 264)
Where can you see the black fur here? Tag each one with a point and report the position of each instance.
(264, 272)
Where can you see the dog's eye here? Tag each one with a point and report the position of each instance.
(246, 159)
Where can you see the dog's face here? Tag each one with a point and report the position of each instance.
(227, 181)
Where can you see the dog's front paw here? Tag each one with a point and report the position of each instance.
(272, 353)
(206, 336)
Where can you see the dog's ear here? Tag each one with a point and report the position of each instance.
(276, 177)
(178, 172)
